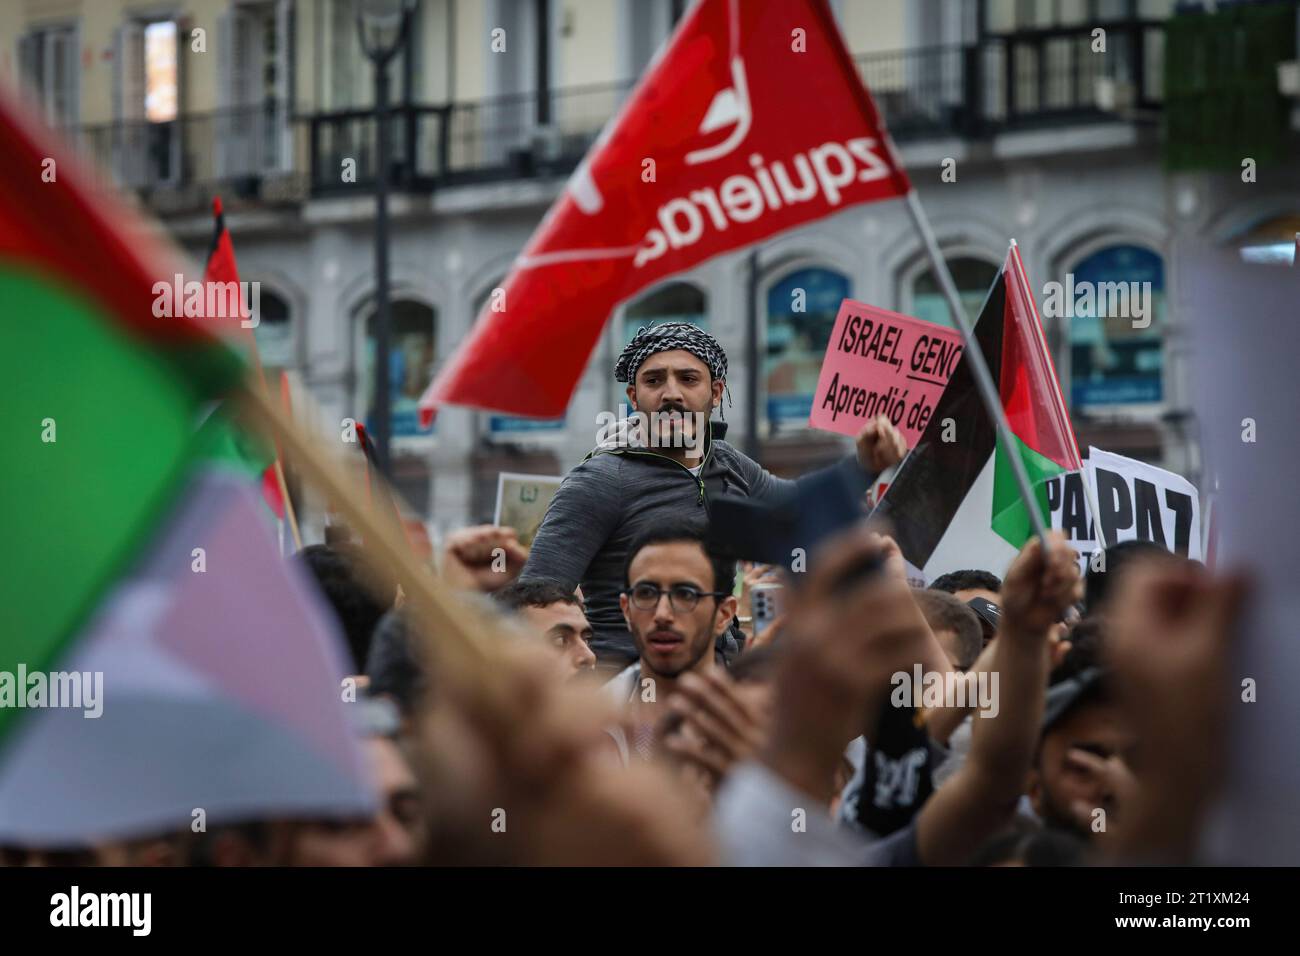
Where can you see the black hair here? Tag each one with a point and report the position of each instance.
(353, 590)
(1028, 843)
(392, 666)
(666, 532)
(534, 592)
(968, 580)
(1100, 582)
(1085, 650)
(943, 612)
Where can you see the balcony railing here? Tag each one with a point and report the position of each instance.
(1023, 80)
(1013, 82)
(257, 152)
(1019, 81)
(492, 139)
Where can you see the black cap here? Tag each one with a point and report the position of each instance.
(990, 614)
(1068, 694)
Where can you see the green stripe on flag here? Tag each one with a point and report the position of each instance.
(1010, 518)
(79, 508)
(223, 443)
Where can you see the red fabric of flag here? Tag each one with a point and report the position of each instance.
(1031, 394)
(753, 120)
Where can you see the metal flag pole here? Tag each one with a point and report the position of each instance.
(983, 379)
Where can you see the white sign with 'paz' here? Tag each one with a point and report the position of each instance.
(1068, 512)
(1139, 502)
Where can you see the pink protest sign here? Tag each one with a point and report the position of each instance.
(881, 363)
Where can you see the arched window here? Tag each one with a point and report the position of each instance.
(1116, 337)
(273, 332)
(801, 310)
(412, 360)
(973, 278)
(674, 302)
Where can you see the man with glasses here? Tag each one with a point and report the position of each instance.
(677, 600)
(674, 466)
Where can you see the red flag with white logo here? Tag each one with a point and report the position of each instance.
(752, 120)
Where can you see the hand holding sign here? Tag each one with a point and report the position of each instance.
(880, 445)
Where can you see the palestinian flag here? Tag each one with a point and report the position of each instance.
(955, 504)
(139, 588)
(102, 397)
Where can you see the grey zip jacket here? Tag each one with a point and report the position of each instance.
(614, 495)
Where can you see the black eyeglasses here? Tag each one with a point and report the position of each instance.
(682, 597)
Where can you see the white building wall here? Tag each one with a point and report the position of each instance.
(450, 251)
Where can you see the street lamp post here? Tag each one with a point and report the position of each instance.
(382, 26)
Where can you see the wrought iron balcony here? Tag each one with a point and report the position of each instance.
(1024, 80)
(257, 152)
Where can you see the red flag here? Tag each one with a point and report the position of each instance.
(753, 120)
(221, 267)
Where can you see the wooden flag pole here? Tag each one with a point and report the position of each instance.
(983, 378)
(289, 513)
(460, 654)
(260, 385)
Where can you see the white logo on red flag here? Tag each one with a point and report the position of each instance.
(748, 138)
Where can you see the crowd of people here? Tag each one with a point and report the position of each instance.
(652, 721)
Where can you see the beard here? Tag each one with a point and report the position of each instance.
(678, 426)
(696, 651)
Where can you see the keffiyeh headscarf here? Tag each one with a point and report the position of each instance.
(665, 338)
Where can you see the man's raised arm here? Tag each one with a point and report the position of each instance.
(981, 797)
(879, 445)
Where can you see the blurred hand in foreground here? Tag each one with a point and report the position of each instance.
(482, 558)
(719, 724)
(1038, 588)
(531, 784)
(1168, 644)
(846, 634)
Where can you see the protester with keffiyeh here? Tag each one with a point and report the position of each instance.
(667, 467)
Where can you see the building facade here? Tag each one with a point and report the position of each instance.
(1013, 122)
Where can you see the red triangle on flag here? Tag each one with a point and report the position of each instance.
(1030, 390)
